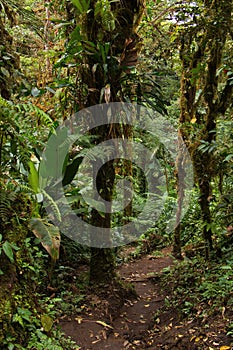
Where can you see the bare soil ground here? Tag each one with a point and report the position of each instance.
(116, 319)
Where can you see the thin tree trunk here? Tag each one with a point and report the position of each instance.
(48, 66)
(180, 179)
(102, 264)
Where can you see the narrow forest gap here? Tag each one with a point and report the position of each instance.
(128, 328)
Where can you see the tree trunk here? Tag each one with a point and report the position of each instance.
(180, 180)
(202, 91)
(18, 283)
(102, 264)
(127, 15)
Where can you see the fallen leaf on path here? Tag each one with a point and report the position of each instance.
(78, 319)
(167, 328)
(225, 347)
(104, 324)
(191, 331)
(223, 312)
(198, 339)
(104, 335)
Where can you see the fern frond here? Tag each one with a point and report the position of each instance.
(30, 108)
(5, 103)
(25, 188)
(6, 199)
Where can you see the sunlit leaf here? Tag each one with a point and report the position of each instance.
(33, 177)
(5, 72)
(78, 319)
(104, 324)
(47, 322)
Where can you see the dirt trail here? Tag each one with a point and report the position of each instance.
(131, 321)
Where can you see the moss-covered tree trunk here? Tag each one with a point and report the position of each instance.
(205, 96)
(120, 31)
(17, 279)
(180, 180)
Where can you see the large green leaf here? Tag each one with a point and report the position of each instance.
(33, 177)
(71, 170)
(81, 5)
(49, 236)
(8, 251)
(53, 158)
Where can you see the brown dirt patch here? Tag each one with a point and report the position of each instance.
(116, 319)
(127, 316)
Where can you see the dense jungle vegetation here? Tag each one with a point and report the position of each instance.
(57, 60)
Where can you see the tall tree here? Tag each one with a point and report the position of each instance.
(206, 90)
(107, 36)
(121, 34)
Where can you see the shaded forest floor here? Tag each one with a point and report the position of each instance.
(139, 318)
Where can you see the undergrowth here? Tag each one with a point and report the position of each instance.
(200, 289)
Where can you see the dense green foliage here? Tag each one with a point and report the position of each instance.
(58, 57)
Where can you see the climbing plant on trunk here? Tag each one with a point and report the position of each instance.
(206, 92)
(108, 39)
